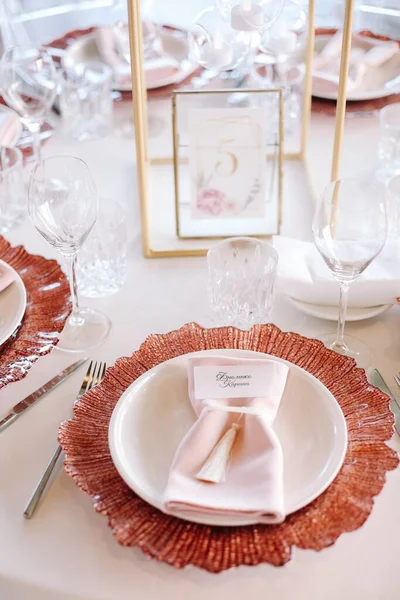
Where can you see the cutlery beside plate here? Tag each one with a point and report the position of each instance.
(30, 400)
(94, 375)
(378, 381)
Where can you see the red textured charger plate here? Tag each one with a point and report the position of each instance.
(48, 306)
(344, 506)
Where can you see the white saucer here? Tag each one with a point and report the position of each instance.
(85, 50)
(373, 84)
(330, 313)
(12, 304)
(154, 413)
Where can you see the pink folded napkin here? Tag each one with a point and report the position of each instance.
(366, 53)
(10, 127)
(7, 276)
(253, 485)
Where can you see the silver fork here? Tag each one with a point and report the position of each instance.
(94, 375)
(397, 379)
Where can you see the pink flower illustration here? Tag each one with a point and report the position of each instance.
(213, 202)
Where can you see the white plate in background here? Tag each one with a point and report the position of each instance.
(373, 84)
(331, 313)
(85, 50)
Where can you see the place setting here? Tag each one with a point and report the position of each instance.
(373, 81)
(239, 437)
(201, 405)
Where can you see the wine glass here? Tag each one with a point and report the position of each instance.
(349, 228)
(29, 85)
(63, 206)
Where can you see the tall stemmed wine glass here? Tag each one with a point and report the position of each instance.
(29, 82)
(63, 206)
(350, 227)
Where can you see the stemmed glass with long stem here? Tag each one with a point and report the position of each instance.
(63, 206)
(29, 83)
(349, 228)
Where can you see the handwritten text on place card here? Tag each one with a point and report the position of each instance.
(238, 381)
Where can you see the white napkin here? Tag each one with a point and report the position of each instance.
(303, 275)
(109, 55)
(10, 127)
(7, 276)
(366, 53)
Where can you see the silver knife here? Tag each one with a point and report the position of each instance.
(379, 382)
(22, 406)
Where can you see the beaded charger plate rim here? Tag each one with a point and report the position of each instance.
(47, 308)
(343, 507)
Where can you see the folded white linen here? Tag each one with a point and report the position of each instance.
(366, 53)
(10, 127)
(303, 275)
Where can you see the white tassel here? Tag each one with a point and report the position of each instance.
(215, 467)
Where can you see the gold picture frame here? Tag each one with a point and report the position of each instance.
(178, 161)
(295, 164)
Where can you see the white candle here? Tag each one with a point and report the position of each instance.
(247, 16)
(218, 53)
(246, 5)
(218, 40)
(282, 43)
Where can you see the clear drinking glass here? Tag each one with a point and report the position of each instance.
(393, 206)
(389, 142)
(350, 227)
(101, 269)
(13, 202)
(152, 43)
(29, 82)
(279, 45)
(63, 206)
(86, 102)
(241, 281)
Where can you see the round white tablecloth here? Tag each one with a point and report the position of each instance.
(67, 551)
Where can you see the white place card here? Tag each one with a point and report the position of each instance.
(238, 381)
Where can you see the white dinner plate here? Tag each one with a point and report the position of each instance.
(12, 304)
(373, 84)
(154, 413)
(330, 313)
(85, 50)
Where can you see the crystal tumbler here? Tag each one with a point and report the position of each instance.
(86, 102)
(241, 281)
(389, 142)
(102, 259)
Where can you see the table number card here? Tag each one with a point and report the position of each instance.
(228, 159)
(227, 164)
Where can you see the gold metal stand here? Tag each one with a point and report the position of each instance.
(342, 91)
(144, 163)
